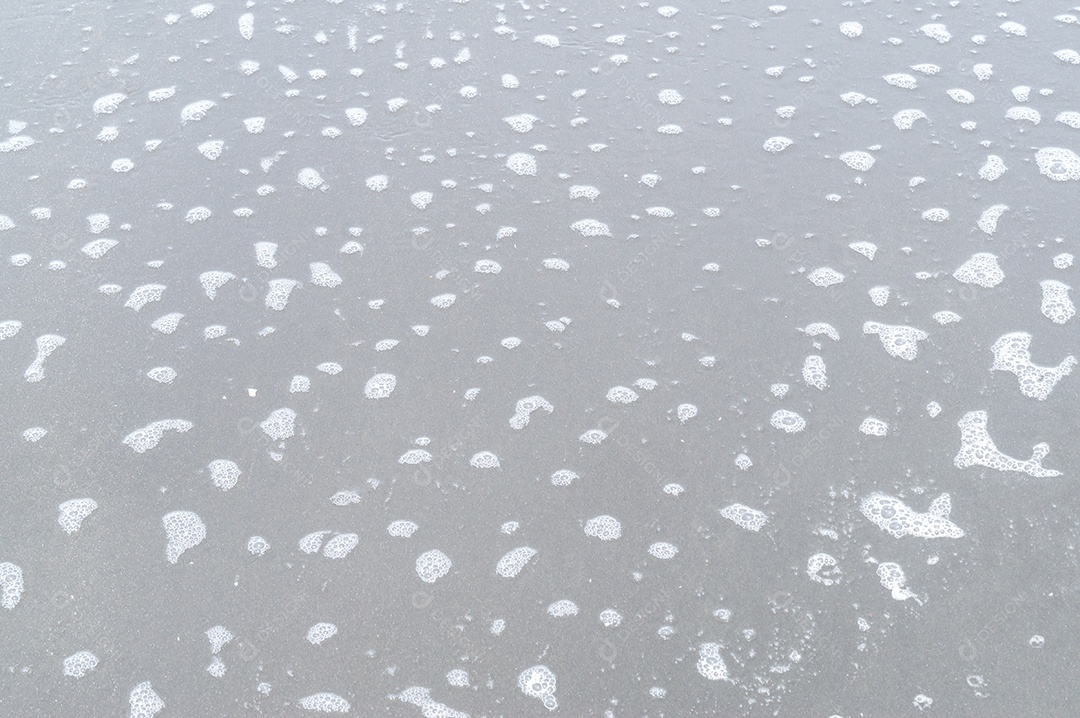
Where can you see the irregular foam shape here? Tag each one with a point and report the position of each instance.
(524, 409)
(562, 609)
(892, 577)
(710, 663)
(73, 512)
(183, 530)
(981, 269)
(825, 277)
(144, 702)
(143, 295)
(321, 632)
(214, 280)
(605, 528)
(219, 637)
(744, 516)
(978, 449)
(1012, 353)
(46, 345)
(79, 664)
(787, 420)
(514, 561)
(816, 563)
(146, 438)
(484, 460)
(11, 585)
(896, 518)
(988, 220)
(874, 427)
(1058, 163)
(280, 425)
(1056, 304)
(621, 395)
(380, 386)
(277, 297)
(340, 546)
(899, 341)
(325, 703)
(663, 550)
(814, 373)
(539, 682)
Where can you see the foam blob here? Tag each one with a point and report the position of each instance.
(146, 438)
(183, 530)
(981, 270)
(432, 565)
(144, 702)
(978, 449)
(511, 564)
(1056, 304)
(744, 516)
(325, 703)
(380, 386)
(539, 682)
(73, 512)
(788, 421)
(1012, 353)
(79, 664)
(11, 585)
(280, 424)
(710, 663)
(897, 519)
(899, 341)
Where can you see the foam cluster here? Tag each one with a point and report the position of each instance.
(341, 545)
(816, 563)
(605, 528)
(562, 609)
(1012, 354)
(421, 698)
(321, 632)
(813, 372)
(401, 528)
(818, 328)
(73, 512)
(432, 565)
(860, 161)
(873, 427)
(1056, 304)
(325, 703)
(521, 123)
(46, 345)
(183, 530)
(685, 412)
(563, 477)
(621, 395)
(906, 119)
(978, 449)
(323, 276)
(591, 228)
(524, 408)
(168, 323)
(146, 438)
(663, 550)
(144, 702)
(539, 682)
(787, 420)
(79, 664)
(257, 545)
(522, 164)
(899, 341)
(143, 295)
(511, 564)
(11, 585)
(380, 386)
(593, 436)
(277, 296)
(896, 518)
(825, 277)
(224, 473)
(981, 269)
(710, 663)
(280, 424)
(484, 460)
(1058, 163)
(744, 516)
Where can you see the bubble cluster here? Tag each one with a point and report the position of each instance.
(978, 449)
(325, 703)
(1056, 304)
(896, 518)
(511, 564)
(321, 632)
(562, 608)
(11, 585)
(183, 530)
(825, 277)
(813, 372)
(663, 550)
(899, 341)
(79, 664)
(873, 427)
(1012, 353)
(73, 512)
(539, 682)
(892, 577)
(1058, 164)
(744, 516)
(380, 386)
(146, 438)
(816, 563)
(524, 409)
(144, 702)
(484, 460)
(710, 663)
(787, 420)
(605, 528)
(432, 565)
